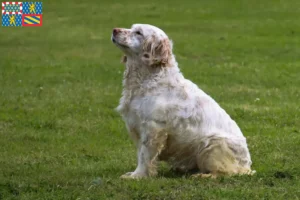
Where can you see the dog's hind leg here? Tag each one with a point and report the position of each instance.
(217, 159)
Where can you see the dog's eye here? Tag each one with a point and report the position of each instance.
(146, 55)
(138, 33)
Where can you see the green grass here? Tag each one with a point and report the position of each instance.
(60, 137)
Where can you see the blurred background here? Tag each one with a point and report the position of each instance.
(60, 137)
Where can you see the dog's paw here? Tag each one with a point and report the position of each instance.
(133, 175)
(200, 175)
(127, 175)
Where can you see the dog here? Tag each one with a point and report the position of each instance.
(168, 117)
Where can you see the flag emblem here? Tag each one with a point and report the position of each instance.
(11, 8)
(22, 13)
(11, 20)
(32, 20)
(32, 7)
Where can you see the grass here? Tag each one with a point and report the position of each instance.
(59, 85)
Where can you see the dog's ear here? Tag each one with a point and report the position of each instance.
(157, 52)
(124, 59)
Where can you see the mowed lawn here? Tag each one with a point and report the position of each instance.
(60, 137)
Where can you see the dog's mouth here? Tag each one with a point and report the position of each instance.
(117, 43)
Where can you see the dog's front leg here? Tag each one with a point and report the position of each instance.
(152, 142)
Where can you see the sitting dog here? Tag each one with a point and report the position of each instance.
(168, 117)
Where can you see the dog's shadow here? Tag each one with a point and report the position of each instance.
(166, 171)
(174, 174)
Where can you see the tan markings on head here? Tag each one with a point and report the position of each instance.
(158, 52)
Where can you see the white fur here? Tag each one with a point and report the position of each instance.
(168, 117)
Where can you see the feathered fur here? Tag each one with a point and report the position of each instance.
(168, 117)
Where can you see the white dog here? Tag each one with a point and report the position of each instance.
(168, 117)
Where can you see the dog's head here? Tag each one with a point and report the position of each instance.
(149, 43)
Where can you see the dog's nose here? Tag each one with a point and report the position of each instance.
(116, 31)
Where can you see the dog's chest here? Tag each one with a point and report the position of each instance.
(131, 112)
(132, 119)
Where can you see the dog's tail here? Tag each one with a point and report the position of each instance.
(252, 172)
